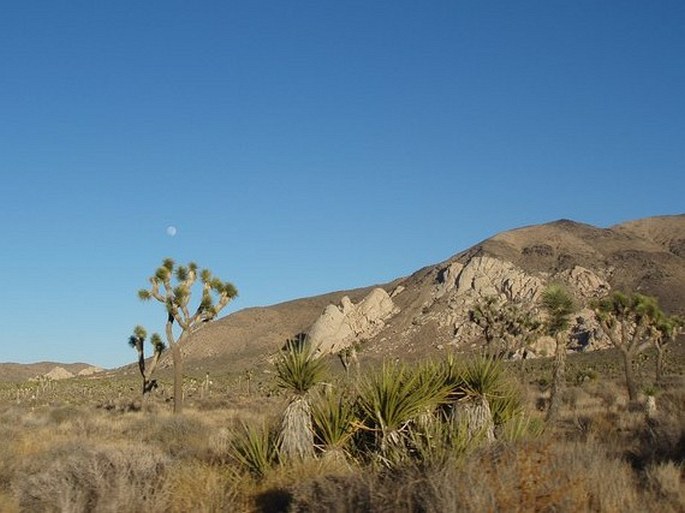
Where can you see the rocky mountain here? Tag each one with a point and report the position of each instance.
(429, 310)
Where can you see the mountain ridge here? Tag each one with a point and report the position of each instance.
(632, 256)
(429, 306)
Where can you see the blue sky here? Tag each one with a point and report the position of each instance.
(304, 147)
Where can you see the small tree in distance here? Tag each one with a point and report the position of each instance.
(137, 342)
(630, 322)
(508, 326)
(172, 286)
(666, 330)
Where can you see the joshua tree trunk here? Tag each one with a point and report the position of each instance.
(178, 377)
(558, 380)
(630, 375)
(659, 363)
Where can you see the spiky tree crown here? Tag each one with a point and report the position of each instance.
(637, 308)
(137, 340)
(157, 343)
(559, 305)
(172, 285)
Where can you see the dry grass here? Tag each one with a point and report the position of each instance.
(602, 457)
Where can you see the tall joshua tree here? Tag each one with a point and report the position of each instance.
(137, 342)
(630, 322)
(172, 286)
(559, 305)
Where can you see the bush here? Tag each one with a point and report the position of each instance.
(94, 479)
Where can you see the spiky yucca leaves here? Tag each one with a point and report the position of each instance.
(298, 369)
(482, 395)
(254, 448)
(334, 420)
(394, 397)
(436, 442)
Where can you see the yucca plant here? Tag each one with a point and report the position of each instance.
(481, 395)
(435, 442)
(298, 370)
(392, 399)
(519, 427)
(559, 305)
(254, 448)
(334, 421)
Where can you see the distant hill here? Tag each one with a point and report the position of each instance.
(18, 372)
(428, 310)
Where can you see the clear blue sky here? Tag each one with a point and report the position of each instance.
(305, 147)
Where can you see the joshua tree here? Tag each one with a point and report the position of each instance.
(348, 358)
(137, 342)
(666, 330)
(298, 370)
(507, 326)
(630, 322)
(172, 286)
(559, 305)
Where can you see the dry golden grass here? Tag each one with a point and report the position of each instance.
(601, 457)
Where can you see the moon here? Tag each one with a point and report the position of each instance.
(171, 231)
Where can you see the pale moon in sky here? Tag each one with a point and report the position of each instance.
(171, 231)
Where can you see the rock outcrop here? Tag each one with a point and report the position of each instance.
(58, 373)
(89, 371)
(341, 326)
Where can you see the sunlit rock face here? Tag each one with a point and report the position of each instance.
(340, 326)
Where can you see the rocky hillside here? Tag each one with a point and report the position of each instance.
(429, 310)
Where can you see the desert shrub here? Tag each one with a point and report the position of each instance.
(520, 427)
(334, 420)
(585, 375)
(666, 481)
(253, 448)
(332, 494)
(180, 435)
(529, 476)
(8, 456)
(570, 397)
(98, 478)
(202, 488)
(390, 400)
(661, 439)
(219, 444)
(540, 476)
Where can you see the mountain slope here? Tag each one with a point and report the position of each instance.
(431, 306)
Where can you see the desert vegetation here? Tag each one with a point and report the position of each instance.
(459, 433)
